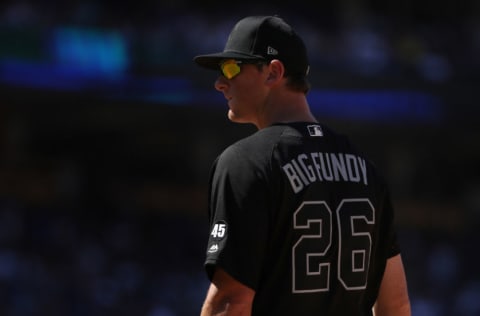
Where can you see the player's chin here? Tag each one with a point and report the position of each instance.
(234, 117)
(231, 116)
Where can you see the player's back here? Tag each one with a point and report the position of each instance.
(330, 218)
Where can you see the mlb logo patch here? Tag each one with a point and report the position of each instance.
(315, 130)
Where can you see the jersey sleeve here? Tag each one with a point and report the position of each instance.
(238, 217)
(392, 247)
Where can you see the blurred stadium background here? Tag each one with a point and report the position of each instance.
(108, 131)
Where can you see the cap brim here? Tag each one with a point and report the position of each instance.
(212, 61)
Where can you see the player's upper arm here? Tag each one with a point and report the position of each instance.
(393, 296)
(227, 296)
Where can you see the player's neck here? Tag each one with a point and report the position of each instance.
(286, 108)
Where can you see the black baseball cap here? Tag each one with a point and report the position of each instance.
(262, 38)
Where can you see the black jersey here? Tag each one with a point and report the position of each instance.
(303, 218)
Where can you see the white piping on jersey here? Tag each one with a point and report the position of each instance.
(318, 167)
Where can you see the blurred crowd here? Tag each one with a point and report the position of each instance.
(391, 40)
(90, 250)
(63, 262)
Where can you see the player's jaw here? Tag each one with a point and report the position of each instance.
(238, 113)
(243, 94)
(224, 86)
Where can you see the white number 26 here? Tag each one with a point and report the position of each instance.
(316, 225)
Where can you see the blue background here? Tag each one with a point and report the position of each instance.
(108, 131)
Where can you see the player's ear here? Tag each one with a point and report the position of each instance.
(276, 70)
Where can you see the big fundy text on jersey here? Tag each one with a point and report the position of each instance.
(307, 168)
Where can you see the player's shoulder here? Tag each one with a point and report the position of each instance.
(260, 140)
(294, 130)
(264, 141)
(256, 147)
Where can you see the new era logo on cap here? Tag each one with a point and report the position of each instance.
(271, 51)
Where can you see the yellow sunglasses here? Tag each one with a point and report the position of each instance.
(231, 67)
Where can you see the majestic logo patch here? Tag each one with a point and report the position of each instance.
(219, 231)
(213, 248)
(315, 130)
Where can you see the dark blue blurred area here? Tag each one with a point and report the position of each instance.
(59, 262)
(108, 131)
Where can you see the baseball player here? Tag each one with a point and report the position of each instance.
(301, 223)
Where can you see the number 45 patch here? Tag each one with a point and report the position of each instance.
(219, 230)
